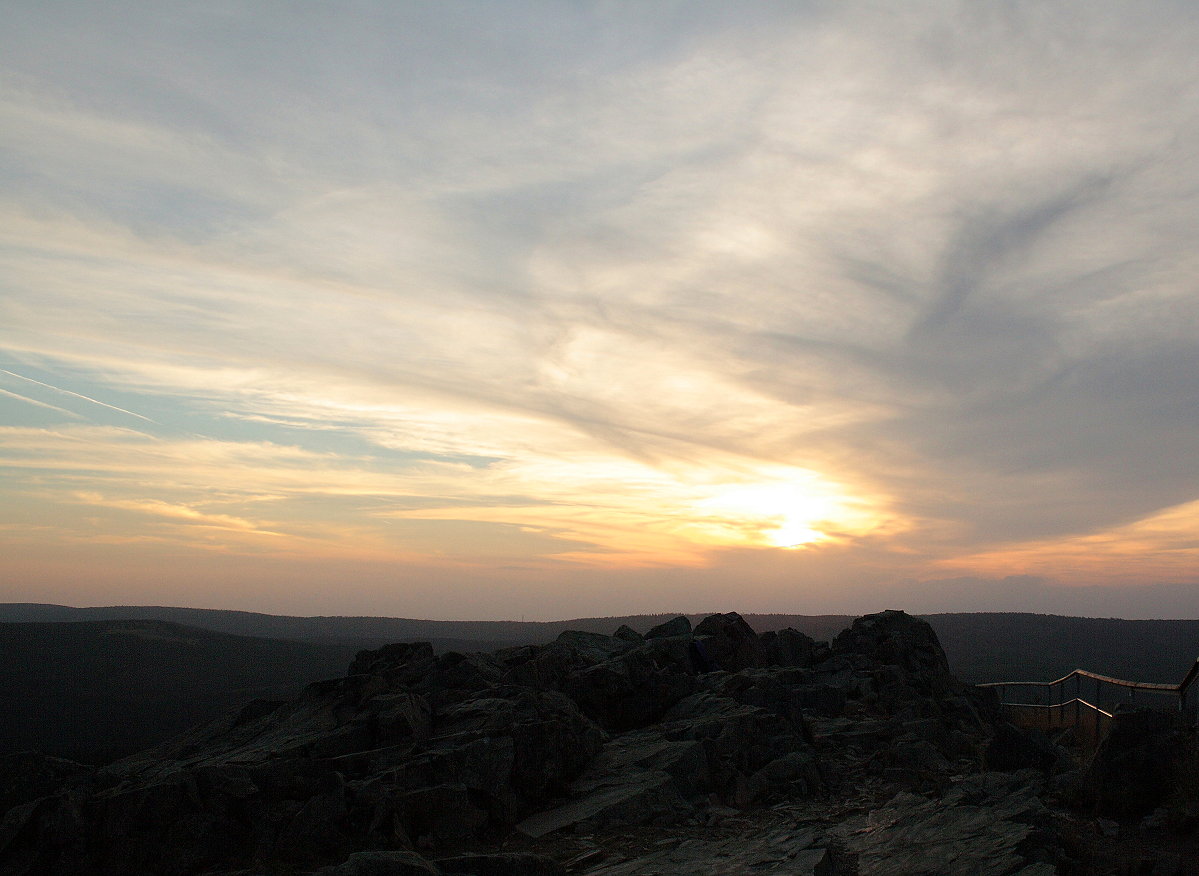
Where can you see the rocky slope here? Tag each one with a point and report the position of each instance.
(711, 750)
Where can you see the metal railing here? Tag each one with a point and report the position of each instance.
(1086, 701)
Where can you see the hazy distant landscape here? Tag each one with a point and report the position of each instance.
(97, 683)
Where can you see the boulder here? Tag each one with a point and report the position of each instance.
(774, 850)
(390, 657)
(1147, 759)
(730, 643)
(381, 863)
(981, 828)
(786, 647)
(634, 689)
(593, 647)
(894, 638)
(1014, 748)
(679, 626)
(644, 797)
(501, 864)
(27, 775)
(628, 634)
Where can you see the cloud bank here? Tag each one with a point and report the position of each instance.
(465, 300)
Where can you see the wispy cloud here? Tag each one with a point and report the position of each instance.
(39, 404)
(77, 395)
(569, 275)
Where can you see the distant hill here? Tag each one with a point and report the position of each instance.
(95, 683)
(980, 646)
(372, 632)
(1042, 647)
(95, 690)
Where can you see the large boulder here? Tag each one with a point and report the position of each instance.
(679, 626)
(787, 647)
(729, 642)
(894, 638)
(27, 775)
(1014, 748)
(382, 863)
(987, 826)
(1147, 760)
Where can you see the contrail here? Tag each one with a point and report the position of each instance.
(34, 401)
(78, 395)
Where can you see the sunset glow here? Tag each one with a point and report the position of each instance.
(564, 309)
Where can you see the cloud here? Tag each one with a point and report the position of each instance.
(565, 273)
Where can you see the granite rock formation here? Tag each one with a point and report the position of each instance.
(706, 750)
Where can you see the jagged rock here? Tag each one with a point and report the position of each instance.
(634, 689)
(380, 863)
(784, 692)
(641, 798)
(679, 626)
(626, 633)
(792, 852)
(594, 647)
(738, 740)
(730, 643)
(587, 736)
(390, 657)
(27, 775)
(893, 638)
(1141, 764)
(986, 828)
(787, 647)
(1014, 748)
(502, 864)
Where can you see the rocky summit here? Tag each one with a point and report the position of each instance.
(711, 750)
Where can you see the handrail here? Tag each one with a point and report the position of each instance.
(1187, 703)
(1106, 679)
(1078, 700)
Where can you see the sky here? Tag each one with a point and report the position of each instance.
(561, 309)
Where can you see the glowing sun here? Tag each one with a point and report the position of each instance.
(780, 514)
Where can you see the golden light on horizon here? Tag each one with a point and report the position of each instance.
(785, 513)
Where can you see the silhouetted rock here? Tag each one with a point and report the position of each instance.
(628, 634)
(377, 863)
(730, 643)
(503, 864)
(684, 751)
(390, 657)
(679, 626)
(893, 638)
(27, 775)
(1014, 748)
(786, 647)
(1144, 761)
(986, 826)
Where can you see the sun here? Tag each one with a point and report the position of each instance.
(793, 534)
(785, 513)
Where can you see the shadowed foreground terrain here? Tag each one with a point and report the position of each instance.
(713, 750)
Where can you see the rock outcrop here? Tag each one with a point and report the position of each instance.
(705, 750)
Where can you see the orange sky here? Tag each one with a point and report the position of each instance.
(556, 310)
